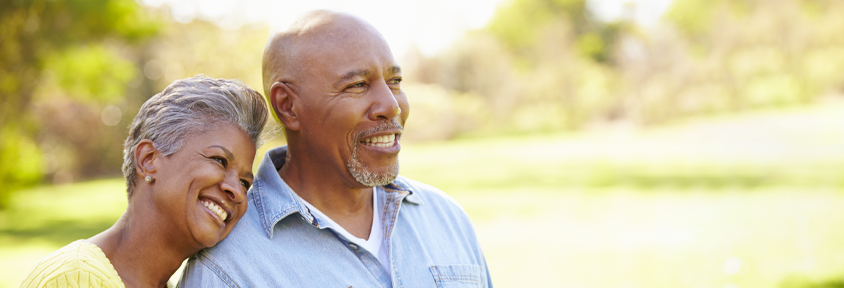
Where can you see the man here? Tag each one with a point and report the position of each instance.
(329, 209)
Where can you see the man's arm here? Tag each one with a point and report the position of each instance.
(485, 270)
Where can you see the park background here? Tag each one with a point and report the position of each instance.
(684, 143)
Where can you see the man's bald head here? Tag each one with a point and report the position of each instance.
(288, 50)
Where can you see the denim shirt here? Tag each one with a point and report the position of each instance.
(279, 243)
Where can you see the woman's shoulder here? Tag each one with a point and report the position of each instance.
(79, 264)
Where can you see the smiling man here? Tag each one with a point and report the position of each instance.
(329, 209)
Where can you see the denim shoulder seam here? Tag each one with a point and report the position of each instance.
(259, 204)
(217, 270)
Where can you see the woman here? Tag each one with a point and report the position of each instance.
(188, 164)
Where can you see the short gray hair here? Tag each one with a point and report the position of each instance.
(188, 106)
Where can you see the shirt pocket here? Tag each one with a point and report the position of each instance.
(456, 276)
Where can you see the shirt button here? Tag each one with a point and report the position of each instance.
(353, 246)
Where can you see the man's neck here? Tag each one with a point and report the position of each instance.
(347, 205)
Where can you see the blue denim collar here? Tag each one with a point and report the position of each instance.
(274, 200)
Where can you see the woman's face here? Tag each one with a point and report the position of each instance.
(201, 188)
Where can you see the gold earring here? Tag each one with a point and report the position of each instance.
(148, 179)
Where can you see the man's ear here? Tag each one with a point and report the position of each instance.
(282, 98)
(145, 158)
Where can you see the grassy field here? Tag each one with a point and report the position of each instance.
(735, 201)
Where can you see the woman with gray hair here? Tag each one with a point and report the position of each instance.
(188, 164)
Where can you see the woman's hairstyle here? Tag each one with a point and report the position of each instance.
(188, 106)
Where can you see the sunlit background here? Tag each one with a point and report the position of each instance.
(685, 143)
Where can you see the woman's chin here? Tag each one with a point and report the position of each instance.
(210, 240)
(209, 235)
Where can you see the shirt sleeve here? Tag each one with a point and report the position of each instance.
(199, 273)
(485, 268)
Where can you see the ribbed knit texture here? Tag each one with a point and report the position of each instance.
(79, 264)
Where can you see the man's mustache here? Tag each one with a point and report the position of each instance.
(383, 126)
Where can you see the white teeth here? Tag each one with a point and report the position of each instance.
(216, 209)
(380, 141)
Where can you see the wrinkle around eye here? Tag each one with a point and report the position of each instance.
(356, 88)
(222, 161)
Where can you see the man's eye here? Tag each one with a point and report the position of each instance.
(395, 81)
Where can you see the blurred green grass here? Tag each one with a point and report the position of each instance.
(43, 219)
(733, 201)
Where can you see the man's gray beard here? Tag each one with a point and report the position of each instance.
(369, 178)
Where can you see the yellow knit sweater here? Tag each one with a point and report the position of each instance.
(79, 264)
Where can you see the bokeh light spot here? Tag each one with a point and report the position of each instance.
(153, 69)
(111, 115)
(732, 266)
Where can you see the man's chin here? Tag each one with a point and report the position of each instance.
(370, 178)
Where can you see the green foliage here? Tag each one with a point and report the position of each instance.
(698, 17)
(692, 16)
(591, 45)
(797, 281)
(523, 26)
(520, 23)
(91, 73)
(22, 151)
(65, 36)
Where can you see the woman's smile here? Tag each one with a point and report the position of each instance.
(216, 209)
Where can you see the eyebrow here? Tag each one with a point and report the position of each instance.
(232, 158)
(364, 73)
(353, 74)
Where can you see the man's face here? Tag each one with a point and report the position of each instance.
(352, 106)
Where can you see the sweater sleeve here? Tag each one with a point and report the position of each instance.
(76, 265)
(66, 279)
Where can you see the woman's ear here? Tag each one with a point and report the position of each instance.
(145, 156)
(282, 98)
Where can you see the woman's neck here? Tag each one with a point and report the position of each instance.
(142, 251)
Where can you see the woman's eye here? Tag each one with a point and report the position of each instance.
(221, 160)
(245, 184)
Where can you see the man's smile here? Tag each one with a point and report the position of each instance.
(384, 138)
(383, 141)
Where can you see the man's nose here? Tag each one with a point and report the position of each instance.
(384, 106)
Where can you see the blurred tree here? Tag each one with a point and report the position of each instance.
(550, 65)
(695, 18)
(521, 25)
(68, 38)
(186, 49)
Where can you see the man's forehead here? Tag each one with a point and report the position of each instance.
(321, 26)
(326, 43)
(350, 50)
